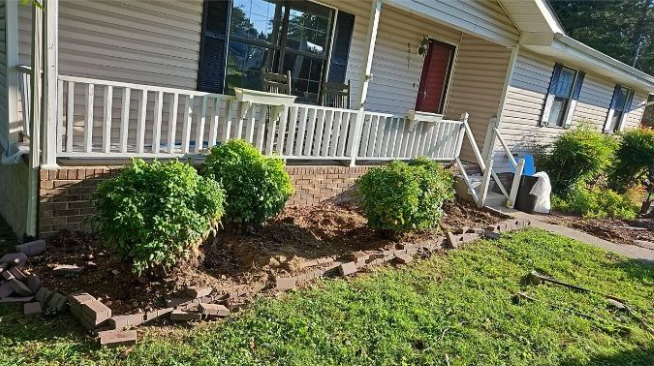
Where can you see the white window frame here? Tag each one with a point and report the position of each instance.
(567, 113)
(626, 109)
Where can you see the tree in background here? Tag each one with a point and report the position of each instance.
(623, 29)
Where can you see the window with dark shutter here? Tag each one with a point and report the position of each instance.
(620, 107)
(341, 47)
(213, 49)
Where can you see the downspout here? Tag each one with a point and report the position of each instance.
(35, 120)
(14, 158)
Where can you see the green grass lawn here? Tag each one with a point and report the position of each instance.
(455, 307)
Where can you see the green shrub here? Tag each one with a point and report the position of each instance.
(256, 187)
(578, 155)
(154, 214)
(634, 160)
(402, 197)
(596, 203)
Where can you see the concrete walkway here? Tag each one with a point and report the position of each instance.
(631, 251)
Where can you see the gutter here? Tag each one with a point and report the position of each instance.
(639, 76)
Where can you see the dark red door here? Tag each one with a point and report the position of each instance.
(433, 81)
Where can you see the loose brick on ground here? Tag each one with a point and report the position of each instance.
(403, 258)
(359, 257)
(96, 310)
(32, 309)
(183, 316)
(117, 338)
(17, 299)
(32, 248)
(56, 302)
(283, 284)
(16, 259)
(196, 292)
(34, 283)
(347, 269)
(120, 322)
(453, 240)
(20, 288)
(213, 310)
(491, 234)
(43, 295)
(17, 273)
(6, 290)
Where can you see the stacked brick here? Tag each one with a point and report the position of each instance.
(66, 194)
(18, 285)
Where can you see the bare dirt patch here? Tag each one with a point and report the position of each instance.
(237, 263)
(627, 232)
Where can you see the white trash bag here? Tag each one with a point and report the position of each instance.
(542, 190)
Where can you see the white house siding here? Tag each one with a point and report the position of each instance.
(153, 42)
(480, 71)
(396, 66)
(526, 97)
(4, 114)
(485, 18)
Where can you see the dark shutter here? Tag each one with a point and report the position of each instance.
(614, 99)
(578, 83)
(213, 48)
(341, 48)
(556, 75)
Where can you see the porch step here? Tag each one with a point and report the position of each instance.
(492, 198)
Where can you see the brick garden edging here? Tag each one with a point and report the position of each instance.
(65, 194)
(113, 330)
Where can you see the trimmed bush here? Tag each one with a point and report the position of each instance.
(578, 155)
(634, 160)
(155, 214)
(403, 197)
(256, 187)
(596, 203)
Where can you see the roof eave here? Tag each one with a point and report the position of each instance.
(589, 54)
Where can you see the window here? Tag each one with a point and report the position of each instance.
(279, 36)
(618, 108)
(562, 96)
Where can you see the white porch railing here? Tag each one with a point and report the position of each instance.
(25, 89)
(108, 119)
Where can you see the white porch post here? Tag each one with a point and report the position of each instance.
(11, 61)
(50, 76)
(35, 120)
(366, 75)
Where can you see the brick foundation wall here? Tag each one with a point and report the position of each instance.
(65, 194)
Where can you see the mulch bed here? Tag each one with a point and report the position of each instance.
(237, 263)
(627, 232)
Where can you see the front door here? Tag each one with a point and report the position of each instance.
(435, 73)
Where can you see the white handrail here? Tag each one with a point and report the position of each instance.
(506, 147)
